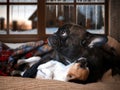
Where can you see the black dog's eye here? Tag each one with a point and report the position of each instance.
(63, 33)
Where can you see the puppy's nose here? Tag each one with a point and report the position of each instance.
(83, 63)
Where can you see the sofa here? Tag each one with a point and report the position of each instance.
(8, 82)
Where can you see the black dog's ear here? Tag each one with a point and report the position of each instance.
(95, 40)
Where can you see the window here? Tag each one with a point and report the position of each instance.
(88, 13)
(16, 20)
(3, 19)
(29, 20)
(19, 17)
(25, 24)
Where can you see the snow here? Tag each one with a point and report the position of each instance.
(33, 31)
(3, 32)
(49, 31)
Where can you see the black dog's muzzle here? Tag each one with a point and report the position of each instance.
(54, 41)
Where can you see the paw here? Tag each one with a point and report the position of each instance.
(15, 72)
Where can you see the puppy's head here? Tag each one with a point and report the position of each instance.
(79, 70)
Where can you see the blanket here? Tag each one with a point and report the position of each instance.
(9, 57)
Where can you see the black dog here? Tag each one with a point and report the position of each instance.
(70, 43)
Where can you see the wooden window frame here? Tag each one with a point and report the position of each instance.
(18, 37)
(41, 17)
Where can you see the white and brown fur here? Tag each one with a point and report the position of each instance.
(57, 71)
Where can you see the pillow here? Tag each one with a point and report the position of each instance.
(14, 45)
(3, 46)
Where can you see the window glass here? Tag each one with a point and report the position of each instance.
(91, 17)
(3, 19)
(3, 0)
(60, 1)
(90, 1)
(23, 19)
(57, 15)
(23, 1)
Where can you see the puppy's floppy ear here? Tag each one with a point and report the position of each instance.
(95, 40)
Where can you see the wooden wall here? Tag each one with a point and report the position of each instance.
(114, 19)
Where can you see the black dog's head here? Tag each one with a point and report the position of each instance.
(67, 35)
(71, 40)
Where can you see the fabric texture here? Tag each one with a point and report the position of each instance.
(18, 83)
(9, 57)
(22, 50)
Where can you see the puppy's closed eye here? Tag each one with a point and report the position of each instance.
(83, 64)
(70, 76)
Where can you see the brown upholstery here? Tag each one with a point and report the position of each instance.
(18, 83)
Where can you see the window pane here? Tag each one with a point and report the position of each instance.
(3, 19)
(23, 1)
(57, 15)
(2, 0)
(91, 17)
(23, 19)
(62, 1)
(91, 1)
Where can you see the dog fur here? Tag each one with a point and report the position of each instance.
(71, 42)
(26, 63)
(58, 71)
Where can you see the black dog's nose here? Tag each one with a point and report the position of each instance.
(53, 41)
